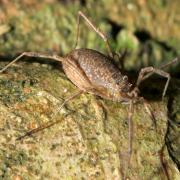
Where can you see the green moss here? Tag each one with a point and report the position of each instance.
(48, 27)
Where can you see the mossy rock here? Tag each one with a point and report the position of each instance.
(91, 139)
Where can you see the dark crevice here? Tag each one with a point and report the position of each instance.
(152, 88)
(143, 35)
(170, 141)
(165, 46)
(10, 31)
(115, 28)
(82, 2)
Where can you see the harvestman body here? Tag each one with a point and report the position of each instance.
(95, 73)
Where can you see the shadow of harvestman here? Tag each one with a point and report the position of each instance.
(95, 73)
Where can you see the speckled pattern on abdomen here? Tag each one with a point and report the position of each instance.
(99, 69)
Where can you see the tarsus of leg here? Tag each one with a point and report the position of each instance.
(47, 125)
(97, 30)
(175, 60)
(147, 70)
(33, 131)
(33, 54)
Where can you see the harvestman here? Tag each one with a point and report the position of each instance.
(95, 73)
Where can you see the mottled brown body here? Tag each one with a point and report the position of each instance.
(93, 72)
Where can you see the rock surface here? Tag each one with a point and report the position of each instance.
(88, 142)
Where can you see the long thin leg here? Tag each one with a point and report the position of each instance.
(130, 131)
(47, 125)
(161, 151)
(175, 60)
(42, 127)
(124, 165)
(148, 70)
(97, 30)
(150, 112)
(77, 35)
(163, 163)
(67, 100)
(33, 54)
(121, 57)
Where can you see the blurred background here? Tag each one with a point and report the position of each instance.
(148, 30)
